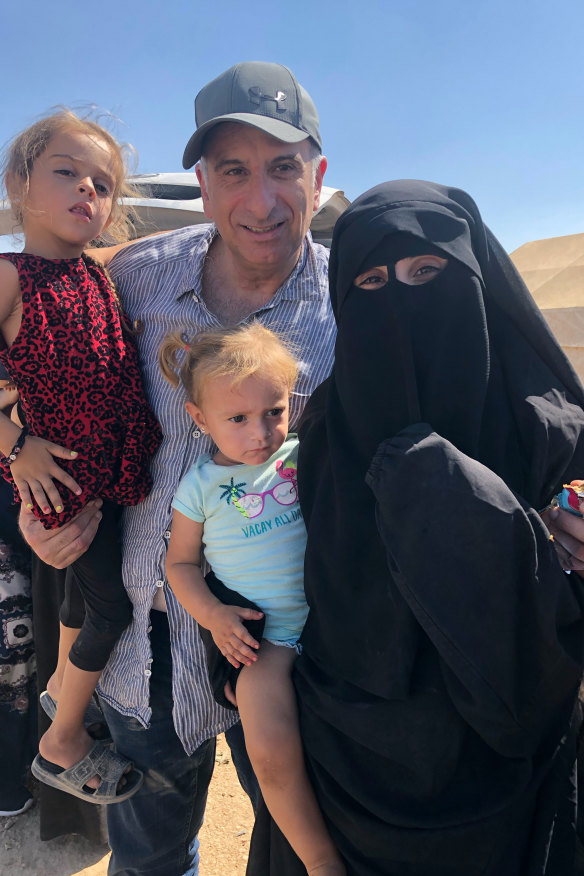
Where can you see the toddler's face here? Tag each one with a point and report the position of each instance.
(247, 422)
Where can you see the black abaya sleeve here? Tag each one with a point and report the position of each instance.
(477, 569)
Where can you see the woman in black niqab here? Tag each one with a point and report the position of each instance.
(443, 649)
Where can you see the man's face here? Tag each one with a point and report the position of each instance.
(260, 193)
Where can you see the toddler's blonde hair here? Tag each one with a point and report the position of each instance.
(241, 352)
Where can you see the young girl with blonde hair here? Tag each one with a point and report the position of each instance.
(76, 368)
(242, 505)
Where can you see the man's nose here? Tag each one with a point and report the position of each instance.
(262, 196)
(86, 187)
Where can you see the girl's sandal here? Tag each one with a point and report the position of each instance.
(99, 761)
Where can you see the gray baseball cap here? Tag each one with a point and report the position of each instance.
(256, 93)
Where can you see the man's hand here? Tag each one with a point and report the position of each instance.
(568, 533)
(230, 635)
(60, 547)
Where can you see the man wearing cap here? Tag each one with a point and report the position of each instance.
(260, 170)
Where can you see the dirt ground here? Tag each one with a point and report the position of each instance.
(224, 837)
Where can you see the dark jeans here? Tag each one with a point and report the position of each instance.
(154, 833)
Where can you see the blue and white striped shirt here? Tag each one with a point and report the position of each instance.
(159, 281)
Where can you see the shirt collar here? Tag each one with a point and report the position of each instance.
(290, 290)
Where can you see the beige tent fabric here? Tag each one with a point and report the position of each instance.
(553, 270)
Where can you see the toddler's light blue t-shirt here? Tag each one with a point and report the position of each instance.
(253, 532)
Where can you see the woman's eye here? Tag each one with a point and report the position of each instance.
(373, 279)
(64, 171)
(417, 270)
(102, 189)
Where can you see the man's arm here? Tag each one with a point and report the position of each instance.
(104, 254)
(61, 547)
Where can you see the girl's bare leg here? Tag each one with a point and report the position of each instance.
(67, 636)
(66, 742)
(267, 705)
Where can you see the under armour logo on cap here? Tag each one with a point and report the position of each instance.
(259, 94)
(256, 95)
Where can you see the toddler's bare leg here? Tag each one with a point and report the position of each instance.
(267, 705)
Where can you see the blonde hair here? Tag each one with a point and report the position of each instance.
(240, 352)
(24, 150)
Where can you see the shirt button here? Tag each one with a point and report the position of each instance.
(149, 630)
(138, 326)
(147, 673)
(160, 583)
(167, 533)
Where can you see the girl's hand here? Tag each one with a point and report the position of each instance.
(34, 471)
(230, 635)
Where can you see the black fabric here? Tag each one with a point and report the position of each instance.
(443, 648)
(97, 576)
(219, 668)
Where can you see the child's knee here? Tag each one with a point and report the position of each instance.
(274, 754)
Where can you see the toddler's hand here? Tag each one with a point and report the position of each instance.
(230, 635)
(34, 471)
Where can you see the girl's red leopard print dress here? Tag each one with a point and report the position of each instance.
(77, 371)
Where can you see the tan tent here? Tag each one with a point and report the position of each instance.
(553, 270)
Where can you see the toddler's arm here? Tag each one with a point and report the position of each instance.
(183, 569)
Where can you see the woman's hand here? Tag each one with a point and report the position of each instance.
(568, 532)
(34, 471)
(230, 635)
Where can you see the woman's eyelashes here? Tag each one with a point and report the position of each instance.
(417, 270)
(414, 271)
(374, 278)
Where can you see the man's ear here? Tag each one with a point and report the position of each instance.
(318, 181)
(204, 192)
(196, 414)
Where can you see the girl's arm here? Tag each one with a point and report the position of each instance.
(183, 569)
(34, 468)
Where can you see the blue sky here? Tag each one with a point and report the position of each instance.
(487, 95)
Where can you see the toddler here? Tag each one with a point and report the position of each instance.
(242, 505)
